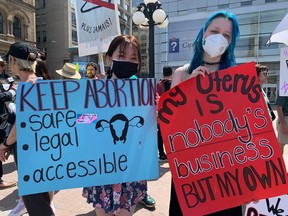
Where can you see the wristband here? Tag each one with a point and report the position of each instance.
(8, 146)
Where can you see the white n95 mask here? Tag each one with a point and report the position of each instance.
(215, 45)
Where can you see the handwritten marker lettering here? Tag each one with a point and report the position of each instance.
(285, 87)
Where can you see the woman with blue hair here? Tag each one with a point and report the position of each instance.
(213, 50)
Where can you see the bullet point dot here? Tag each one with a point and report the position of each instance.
(25, 147)
(23, 124)
(26, 178)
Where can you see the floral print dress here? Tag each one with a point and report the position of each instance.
(114, 197)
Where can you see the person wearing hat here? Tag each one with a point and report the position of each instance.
(68, 71)
(3, 75)
(5, 96)
(22, 61)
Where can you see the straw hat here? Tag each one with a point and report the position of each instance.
(69, 71)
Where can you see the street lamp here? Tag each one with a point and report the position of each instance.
(150, 14)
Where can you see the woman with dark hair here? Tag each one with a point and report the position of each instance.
(42, 70)
(213, 50)
(124, 59)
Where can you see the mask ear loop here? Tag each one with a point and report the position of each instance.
(203, 40)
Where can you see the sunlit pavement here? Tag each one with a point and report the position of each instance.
(70, 202)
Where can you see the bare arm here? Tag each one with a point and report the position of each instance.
(178, 76)
(11, 139)
(6, 147)
(181, 74)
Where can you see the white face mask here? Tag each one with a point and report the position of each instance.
(215, 45)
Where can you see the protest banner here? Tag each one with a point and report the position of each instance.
(283, 80)
(275, 206)
(220, 142)
(84, 133)
(97, 25)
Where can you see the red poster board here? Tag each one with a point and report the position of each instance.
(221, 146)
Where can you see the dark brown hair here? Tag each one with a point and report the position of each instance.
(123, 41)
(260, 68)
(93, 64)
(42, 70)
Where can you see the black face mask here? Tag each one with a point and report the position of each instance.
(124, 69)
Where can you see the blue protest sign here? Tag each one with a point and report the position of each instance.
(87, 132)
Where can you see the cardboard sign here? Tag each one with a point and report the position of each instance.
(221, 145)
(82, 133)
(275, 206)
(97, 25)
(283, 82)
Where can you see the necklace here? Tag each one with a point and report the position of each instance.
(211, 63)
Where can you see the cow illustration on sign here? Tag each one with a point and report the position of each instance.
(118, 125)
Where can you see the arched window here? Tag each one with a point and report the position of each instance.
(1, 24)
(17, 27)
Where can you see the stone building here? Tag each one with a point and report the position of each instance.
(57, 32)
(17, 23)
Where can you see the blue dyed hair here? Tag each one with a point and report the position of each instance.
(228, 57)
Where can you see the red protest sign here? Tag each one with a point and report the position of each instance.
(220, 142)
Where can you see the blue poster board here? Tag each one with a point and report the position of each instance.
(84, 133)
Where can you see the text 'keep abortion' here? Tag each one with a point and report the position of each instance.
(93, 94)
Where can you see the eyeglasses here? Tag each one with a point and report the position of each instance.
(265, 73)
(90, 69)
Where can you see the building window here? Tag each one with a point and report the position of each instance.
(246, 3)
(38, 37)
(38, 20)
(44, 37)
(17, 27)
(223, 6)
(73, 17)
(37, 6)
(1, 24)
(72, 3)
(40, 4)
(74, 36)
(43, 19)
(127, 5)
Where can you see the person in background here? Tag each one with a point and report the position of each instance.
(3, 75)
(68, 71)
(93, 71)
(42, 73)
(282, 121)
(263, 75)
(163, 86)
(213, 50)
(22, 62)
(5, 96)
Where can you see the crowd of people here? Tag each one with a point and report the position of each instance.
(214, 49)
